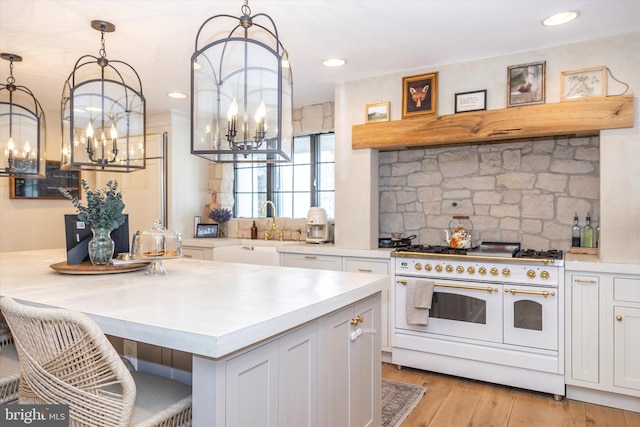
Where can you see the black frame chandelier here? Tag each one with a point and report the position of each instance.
(103, 114)
(22, 128)
(241, 91)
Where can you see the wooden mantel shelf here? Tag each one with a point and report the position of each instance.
(579, 117)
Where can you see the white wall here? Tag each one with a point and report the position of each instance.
(620, 149)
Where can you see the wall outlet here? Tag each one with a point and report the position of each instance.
(130, 350)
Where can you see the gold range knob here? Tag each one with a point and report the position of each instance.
(531, 274)
(418, 266)
(427, 267)
(544, 275)
(482, 271)
(493, 271)
(449, 268)
(460, 269)
(506, 272)
(438, 268)
(471, 269)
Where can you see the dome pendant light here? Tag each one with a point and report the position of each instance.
(103, 114)
(22, 129)
(241, 91)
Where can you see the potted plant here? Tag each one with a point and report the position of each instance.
(103, 214)
(221, 216)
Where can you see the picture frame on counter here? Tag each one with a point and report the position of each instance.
(420, 95)
(585, 83)
(471, 101)
(526, 84)
(207, 230)
(378, 112)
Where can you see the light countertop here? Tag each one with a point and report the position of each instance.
(202, 307)
(591, 263)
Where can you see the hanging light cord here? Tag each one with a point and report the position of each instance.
(621, 82)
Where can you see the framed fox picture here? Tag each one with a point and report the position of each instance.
(419, 95)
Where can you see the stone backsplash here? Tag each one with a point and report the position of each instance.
(523, 192)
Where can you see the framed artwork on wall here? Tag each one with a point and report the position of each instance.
(526, 84)
(420, 95)
(471, 101)
(585, 83)
(378, 112)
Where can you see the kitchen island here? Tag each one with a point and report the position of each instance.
(270, 345)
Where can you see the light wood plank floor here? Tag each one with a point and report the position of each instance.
(452, 401)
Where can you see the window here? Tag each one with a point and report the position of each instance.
(309, 180)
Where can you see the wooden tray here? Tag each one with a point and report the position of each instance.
(87, 268)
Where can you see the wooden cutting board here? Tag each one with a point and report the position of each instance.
(87, 268)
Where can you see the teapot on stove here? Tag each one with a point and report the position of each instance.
(460, 237)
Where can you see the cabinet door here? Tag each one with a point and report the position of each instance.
(360, 265)
(626, 347)
(251, 388)
(583, 329)
(298, 379)
(317, 262)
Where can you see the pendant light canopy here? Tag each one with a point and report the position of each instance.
(103, 114)
(241, 91)
(22, 128)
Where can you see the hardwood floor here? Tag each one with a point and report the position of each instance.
(452, 401)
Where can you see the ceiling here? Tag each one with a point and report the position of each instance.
(376, 37)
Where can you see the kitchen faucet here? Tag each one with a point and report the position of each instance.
(274, 229)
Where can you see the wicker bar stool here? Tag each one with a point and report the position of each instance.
(66, 359)
(9, 367)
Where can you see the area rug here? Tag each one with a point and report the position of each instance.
(398, 400)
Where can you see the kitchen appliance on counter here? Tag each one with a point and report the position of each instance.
(497, 314)
(317, 226)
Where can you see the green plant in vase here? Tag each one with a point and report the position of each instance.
(221, 216)
(103, 214)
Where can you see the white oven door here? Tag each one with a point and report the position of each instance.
(458, 309)
(531, 316)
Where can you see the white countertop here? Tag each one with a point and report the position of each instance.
(202, 307)
(591, 263)
(289, 246)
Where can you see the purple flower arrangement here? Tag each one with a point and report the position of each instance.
(220, 215)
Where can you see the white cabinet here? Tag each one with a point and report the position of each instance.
(275, 384)
(317, 262)
(351, 342)
(603, 345)
(197, 252)
(376, 266)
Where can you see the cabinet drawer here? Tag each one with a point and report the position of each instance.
(194, 253)
(318, 262)
(361, 265)
(626, 289)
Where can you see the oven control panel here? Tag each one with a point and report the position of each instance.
(513, 272)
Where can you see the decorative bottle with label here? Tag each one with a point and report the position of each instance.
(587, 240)
(254, 231)
(575, 232)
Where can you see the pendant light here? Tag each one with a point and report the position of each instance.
(22, 129)
(241, 91)
(103, 113)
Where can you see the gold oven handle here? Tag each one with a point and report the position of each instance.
(471, 288)
(543, 293)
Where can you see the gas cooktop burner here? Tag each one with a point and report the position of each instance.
(530, 253)
(428, 249)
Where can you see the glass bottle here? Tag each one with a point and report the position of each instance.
(575, 232)
(254, 231)
(598, 234)
(588, 233)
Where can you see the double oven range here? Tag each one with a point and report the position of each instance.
(496, 314)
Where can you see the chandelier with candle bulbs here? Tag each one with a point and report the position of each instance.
(241, 91)
(103, 113)
(22, 128)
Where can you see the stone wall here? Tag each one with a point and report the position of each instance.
(513, 192)
(307, 120)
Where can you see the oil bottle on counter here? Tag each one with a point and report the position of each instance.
(254, 231)
(587, 234)
(575, 232)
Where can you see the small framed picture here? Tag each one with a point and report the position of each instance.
(586, 83)
(207, 230)
(377, 112)
(420, 95)
(471, 101)
(525, 84)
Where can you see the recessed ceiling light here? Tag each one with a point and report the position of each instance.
(561, 18)
(178, 95)
(334, 62)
